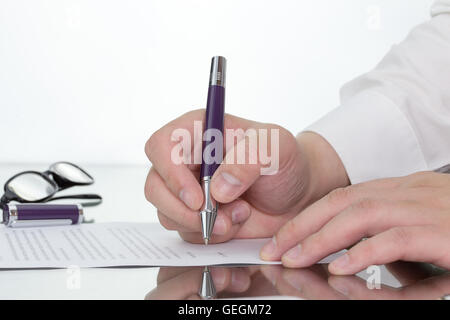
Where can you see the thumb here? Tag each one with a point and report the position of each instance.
(232, 178)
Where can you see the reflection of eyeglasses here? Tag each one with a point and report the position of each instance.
(34, 186)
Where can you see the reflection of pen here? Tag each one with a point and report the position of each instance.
(215, 111)
(207, 288)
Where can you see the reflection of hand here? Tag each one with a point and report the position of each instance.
(407, 218)
(260, 286)
(252, 205)
(316, 283)
(178, 283)
(310, 283)
(356, 288)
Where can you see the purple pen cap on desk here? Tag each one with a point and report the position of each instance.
(40, 215)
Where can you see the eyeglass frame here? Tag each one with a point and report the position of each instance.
(57, 181)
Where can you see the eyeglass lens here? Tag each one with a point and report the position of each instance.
(71, 172)
(31, 187)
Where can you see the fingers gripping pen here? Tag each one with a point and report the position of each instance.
(215, 111)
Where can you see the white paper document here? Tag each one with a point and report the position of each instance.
(118, 244)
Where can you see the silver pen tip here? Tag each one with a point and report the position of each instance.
(206, 241)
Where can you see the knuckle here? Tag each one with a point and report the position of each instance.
(401, 236)
(370, 249)
(152, 144)
(418, 179)
(286, 233)
(283, 134)
(148, 191)
(366, 205)
(165, 222)
(149, 188)
(197, 113)
(289, 229)
(339, 195)
(363, 216)
(420, 174)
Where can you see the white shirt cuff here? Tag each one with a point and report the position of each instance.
(372, 137)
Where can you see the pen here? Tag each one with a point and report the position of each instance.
(207, 289)
(215, 111)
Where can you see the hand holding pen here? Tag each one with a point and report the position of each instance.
(251, 205)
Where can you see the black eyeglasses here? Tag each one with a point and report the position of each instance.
(35, 186)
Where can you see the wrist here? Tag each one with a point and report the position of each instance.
(326, 170)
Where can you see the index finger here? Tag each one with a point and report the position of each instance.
(307, 222)
(313, 218)
(161, 149)
(175, 151)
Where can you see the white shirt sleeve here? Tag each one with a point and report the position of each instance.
(395, 119)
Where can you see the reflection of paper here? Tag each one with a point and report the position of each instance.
(116, 244)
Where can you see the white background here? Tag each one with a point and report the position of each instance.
(89, 81)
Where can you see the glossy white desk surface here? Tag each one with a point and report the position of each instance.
(122, 188)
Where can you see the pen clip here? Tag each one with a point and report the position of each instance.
(38, 223)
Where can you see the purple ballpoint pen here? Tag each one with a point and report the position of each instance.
(215, 111)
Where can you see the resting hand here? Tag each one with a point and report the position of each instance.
(406, 218)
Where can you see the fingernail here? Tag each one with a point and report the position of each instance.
(220, 226)
(293, 253)
(269, 249)
(240, 213)
(227, 185)
(187, 198)
(341, 263)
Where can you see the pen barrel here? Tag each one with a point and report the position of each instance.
(212, 151)
(213, 134)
